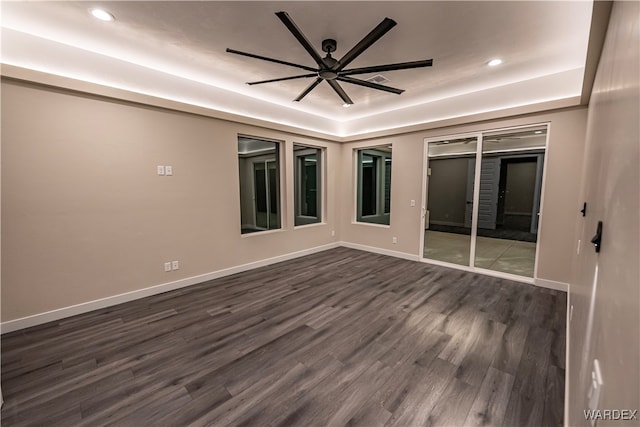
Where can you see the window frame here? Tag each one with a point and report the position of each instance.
(384, 162)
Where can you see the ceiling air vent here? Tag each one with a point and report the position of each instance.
(379, 79)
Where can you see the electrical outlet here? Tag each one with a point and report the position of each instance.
(167, 266)
(168, 170)
(594, 390)
(394, 240)
(161, 170)
(175, 265)
(333, 233)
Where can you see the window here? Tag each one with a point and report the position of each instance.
(308, 184)
(374, 185)
(259, 166)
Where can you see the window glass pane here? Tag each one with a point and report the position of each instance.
(387, 186)
(450, 184)
(259, 167)
(308, 183)
(374, 185)
(369, 185)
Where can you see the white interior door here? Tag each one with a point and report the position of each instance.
(535, 214)
(489, 188)
(468, 208)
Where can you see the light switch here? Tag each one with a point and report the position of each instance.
(413, 203)
(175, 265)
(161, 170)
(168, 170)
(167, 266)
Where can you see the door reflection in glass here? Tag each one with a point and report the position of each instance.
(308, 184)
(374, 185)
(259, 172)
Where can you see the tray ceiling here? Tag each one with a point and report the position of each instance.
(176, 50)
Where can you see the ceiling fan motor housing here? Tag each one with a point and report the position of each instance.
(329, 45)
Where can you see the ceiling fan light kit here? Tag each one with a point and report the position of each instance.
(331, 70)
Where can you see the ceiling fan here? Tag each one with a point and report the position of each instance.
(333, 71)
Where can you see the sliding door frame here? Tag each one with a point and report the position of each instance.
(476, 197)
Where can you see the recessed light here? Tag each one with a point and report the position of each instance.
(345, 105)
(494, 62)
(102, 15)
(538, 132)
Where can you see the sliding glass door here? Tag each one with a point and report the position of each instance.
(483, 196)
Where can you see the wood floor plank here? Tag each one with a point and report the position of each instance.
(529, 393)
(417, 405)
(490, 405)
(454, 404)
(555, 391)
(509, 351)
(266, 412)
(341, 337)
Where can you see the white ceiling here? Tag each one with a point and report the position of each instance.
(176, 50)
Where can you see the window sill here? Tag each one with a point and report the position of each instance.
(315, 224)
(262, 233)
(370, 224)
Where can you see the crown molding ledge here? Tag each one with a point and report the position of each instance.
(76, 85)
(12, 72)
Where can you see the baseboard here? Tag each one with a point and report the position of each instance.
(381, 251)
(53, 315)
(61, 313)
(518, 213)
(447, 223)
(566, 361)
(551, 284)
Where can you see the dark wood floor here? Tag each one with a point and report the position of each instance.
(342, 337)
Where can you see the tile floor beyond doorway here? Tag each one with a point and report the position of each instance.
(508, 256)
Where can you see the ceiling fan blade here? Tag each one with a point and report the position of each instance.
(388, 67)
(308, 89)
(277, 61)
(293, 28)
(367, 41)
(341, 93)
(302, 76)
(370, 85)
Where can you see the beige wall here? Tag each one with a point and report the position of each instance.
(84, 215)
(559, 205)
(605, 290)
